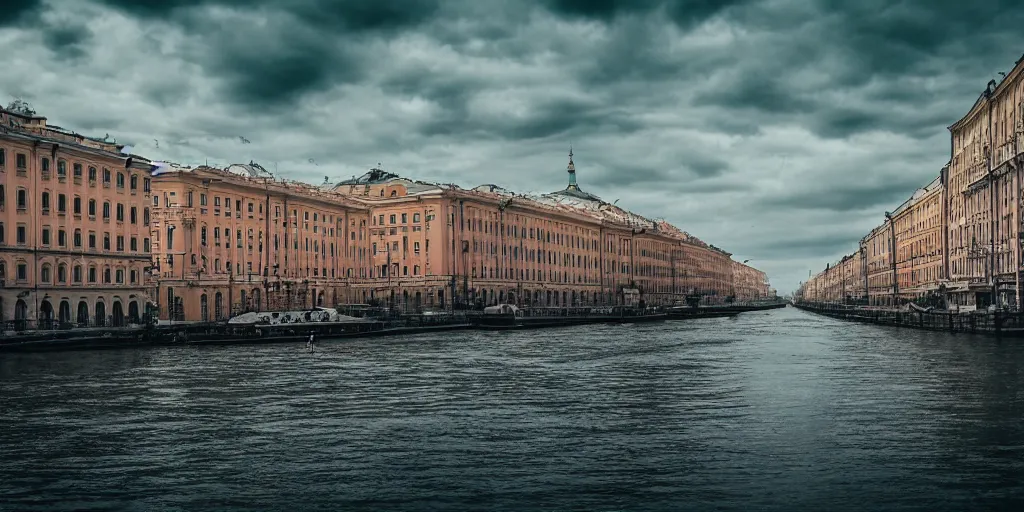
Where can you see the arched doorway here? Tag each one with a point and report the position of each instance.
(20, 315)
(101, 314)
(83, 314)
(64, 313)
(45, 319)
(133, 312)
(117, 314)
(218, 306)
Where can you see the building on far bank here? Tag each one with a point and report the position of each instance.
(959, 237)
(227, 241)
(74, 227)
(920, 226)
(431, 244)
(879, 265)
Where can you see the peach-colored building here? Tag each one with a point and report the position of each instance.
(749, 283)
(984, 196)
(920, 228)
(74, 227)
(879, 265)
(431, 243)
(234, 240)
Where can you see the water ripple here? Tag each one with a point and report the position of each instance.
(777, 410)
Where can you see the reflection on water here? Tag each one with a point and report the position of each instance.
(779, 410)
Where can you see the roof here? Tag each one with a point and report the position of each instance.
(372, 177)
(250, 170)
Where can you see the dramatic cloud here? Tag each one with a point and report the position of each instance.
(780, 130)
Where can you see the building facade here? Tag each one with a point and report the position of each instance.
(959, 237)
(432, 245)
(920, 225)
(236, 240)
(74, 228)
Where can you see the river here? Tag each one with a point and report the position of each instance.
(776, 410)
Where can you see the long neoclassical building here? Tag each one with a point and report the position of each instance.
(74, 227)
(91, 235)
(237, 239)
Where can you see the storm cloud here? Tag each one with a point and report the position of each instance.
(780, 130)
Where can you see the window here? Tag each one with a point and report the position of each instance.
(77, 205)
(134, 182)
(22, 234)
(92, 208)
(76, 274)
(106, 211)
(416, 247)
(45, 164)
(106, 241)
(145, 216)
(92, 172)
(3, 196)
(2, 234)
(145, 184)
(134, 244)
(44, 273)
(62, 203)
(22, 271)
(405, 218)
(78, 238)
(92, 240)
(62, 238)
(189, 203)
(106, 275)
(202, 236)
(22, 199)
(46, 202)
(392, 219)
(62, 273)
(120, 180)
(3, 157)
(62, 169)
(46, 236)
(145, 245)
(120, 276)
(120, 243)
(92, 274)
(120, 212)
(133, 215)
(21, 161)
(106, 176)
(202, 199)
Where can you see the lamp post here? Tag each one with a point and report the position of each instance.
(892, 257)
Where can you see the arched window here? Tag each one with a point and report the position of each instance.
(92, 274)
(76, 274)
(106, 210)
(44, 273)
(62, 273)
(92, 207)
(46, 202)
(119, 276)
(106, 275)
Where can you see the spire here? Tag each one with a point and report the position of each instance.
(572, 172)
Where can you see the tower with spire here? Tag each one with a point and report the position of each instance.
(571, 168)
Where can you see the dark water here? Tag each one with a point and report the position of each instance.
(779, 410)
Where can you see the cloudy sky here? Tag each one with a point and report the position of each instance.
(780, 130)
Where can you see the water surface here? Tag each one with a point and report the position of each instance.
(779, 410)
